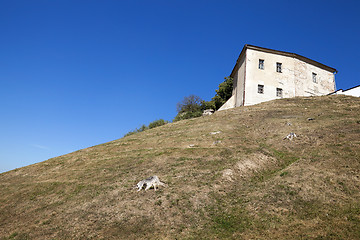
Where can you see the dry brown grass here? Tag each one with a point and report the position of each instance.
(245, 182)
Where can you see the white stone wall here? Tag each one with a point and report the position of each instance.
(355, 91)
(267, 77)
(295, 78)
(304, 85)
(239, 79)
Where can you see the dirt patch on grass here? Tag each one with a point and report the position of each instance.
(254, 163)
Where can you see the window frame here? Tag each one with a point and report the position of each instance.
(279, 67)
(261, 64)
(261, 88)
(279, 92)
(314, 77)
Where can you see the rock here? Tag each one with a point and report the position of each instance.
(208, 112)
(213, 133)
(228, 174)
(290, 136)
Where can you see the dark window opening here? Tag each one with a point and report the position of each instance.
(261, 89)
(261, 64)
(314, 77)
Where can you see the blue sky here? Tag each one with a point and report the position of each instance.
(74, 74)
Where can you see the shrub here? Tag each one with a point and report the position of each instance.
(131, 133)
(222, 94)
(187, 115)
(157, 123)
(153, 124)
(143, 128)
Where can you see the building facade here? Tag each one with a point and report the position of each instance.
(354, 91)
(262, 74)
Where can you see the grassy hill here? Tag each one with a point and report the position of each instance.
(244, 182)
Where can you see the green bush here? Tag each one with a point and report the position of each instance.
(131, 133)
(222, 94)
(187, 115)
(153, 124)
(208, 105)
(157, 123)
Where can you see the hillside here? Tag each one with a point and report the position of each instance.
(231, 175)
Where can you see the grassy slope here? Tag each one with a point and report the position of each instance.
(245, 182)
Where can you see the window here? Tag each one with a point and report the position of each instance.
(261, 64)
(278, 67)
(261, 89)
(279, 92)
(314, 77)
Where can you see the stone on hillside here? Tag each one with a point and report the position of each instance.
(213, 133)
(208, 112)
(290, 136)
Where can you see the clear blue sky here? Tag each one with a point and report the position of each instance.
(74, 74)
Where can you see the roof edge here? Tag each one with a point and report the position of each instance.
(288, 54)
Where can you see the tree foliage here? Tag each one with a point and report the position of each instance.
(191, 103)
(157, 123)
(189, 107)
(223, 94)
(193, 106)
(154, 124)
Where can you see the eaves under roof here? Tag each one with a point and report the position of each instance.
(288, 54)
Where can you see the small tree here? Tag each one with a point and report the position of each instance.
(189, 107)
(191, 103)
(192, 106)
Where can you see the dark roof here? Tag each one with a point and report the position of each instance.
(288, 54)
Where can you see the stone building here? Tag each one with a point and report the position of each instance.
(262, 74)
